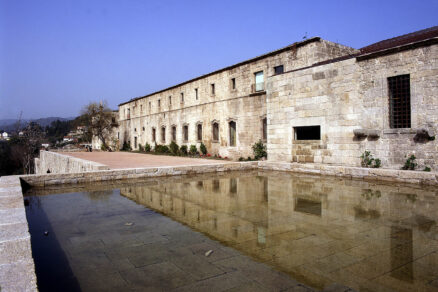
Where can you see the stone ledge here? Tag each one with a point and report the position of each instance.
(17, 270)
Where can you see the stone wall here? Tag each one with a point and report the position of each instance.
(17, 270)
(52, 162)
(349, 95)
(194, 103)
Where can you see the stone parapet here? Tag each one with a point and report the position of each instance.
(52, 162)
(17, 270)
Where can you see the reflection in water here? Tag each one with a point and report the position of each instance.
(319, 230)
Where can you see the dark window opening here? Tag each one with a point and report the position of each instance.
(278, 69)
(212, 89)
(173, 133)
(170, 100)
(232, 126)
(233, 83)
(215, 132)
(143, 129)
(153, 135)
(399, 101)
(163, 134)
(265, 129)
(196, 93)
(182, 97)
(159, 103)
(308, 133)
(135, 142)
(186, 133)
(113, 120)
(308, 207)
(199, 132)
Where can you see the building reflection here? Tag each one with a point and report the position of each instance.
(318, 230)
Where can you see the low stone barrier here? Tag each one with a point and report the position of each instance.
(53, 162)
(17, 270)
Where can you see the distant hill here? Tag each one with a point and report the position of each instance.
(9, 124)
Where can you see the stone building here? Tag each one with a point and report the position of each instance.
(313, 101)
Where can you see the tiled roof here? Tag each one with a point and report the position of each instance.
(413, 37)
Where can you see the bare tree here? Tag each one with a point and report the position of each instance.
(25, 147)
(99, 119)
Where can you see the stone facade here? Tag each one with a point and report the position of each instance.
(342, 92)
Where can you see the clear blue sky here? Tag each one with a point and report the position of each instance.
(58, 55)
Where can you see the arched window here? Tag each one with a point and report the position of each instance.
(199, 132)
(215, 129)
(163, 134)
(174, 133)
(186, 133)
(232, 126)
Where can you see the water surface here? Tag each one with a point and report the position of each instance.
(319, 231)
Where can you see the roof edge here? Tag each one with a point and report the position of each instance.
(289, 47)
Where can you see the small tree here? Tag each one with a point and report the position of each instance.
(183, 149)
(147, 147)
(99, 119)
(259, 150)
(203, 149)
(173, 148)
(193, 150)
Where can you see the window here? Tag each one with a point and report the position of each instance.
(135, 142)
(233, 83)
(212, 89)
(399, 101)
(186, 133)
(135, 129)
(170, 100)
(265, 129)
(153, 135)
(163, 134)
(259, 81)
(150, 106)
(182, 97)
(159, 103)
(113, 120)
(215, 132)
(141, 108)
(232, 126)
(199, 132)
(196, 93)
(173, 133)
(278, 69)
(308, 133)
(129, 113)
(143, 129)
(118, 135)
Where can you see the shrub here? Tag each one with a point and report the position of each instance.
(193, 150)
(427, 168)
(410, 163)
(183, 149)
(367, 160)
(103, 147)
(126, 146)
(147, 147)
(241, 158)
(140, 148)
(161, 149)
(203, 149)
(173, 148)
(259, 150)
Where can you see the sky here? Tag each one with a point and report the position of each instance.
(56, 56)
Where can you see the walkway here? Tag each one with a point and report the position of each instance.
(120, 160)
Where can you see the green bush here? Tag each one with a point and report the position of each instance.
(203, 149)
(103, 148)
(147, 147)
(241, 158)
(427, 168)
(259, 150)
(161, 149)
(183, 149)
(193, 150)
(140, 148)
(126, 146)
(367, 160)
(173, 148)
(410, 163)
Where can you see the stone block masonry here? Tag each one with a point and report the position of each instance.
(17, 270)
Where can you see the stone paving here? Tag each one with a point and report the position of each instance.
(121, 160)
(115, 244)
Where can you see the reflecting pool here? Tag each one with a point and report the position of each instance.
(260, 227)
